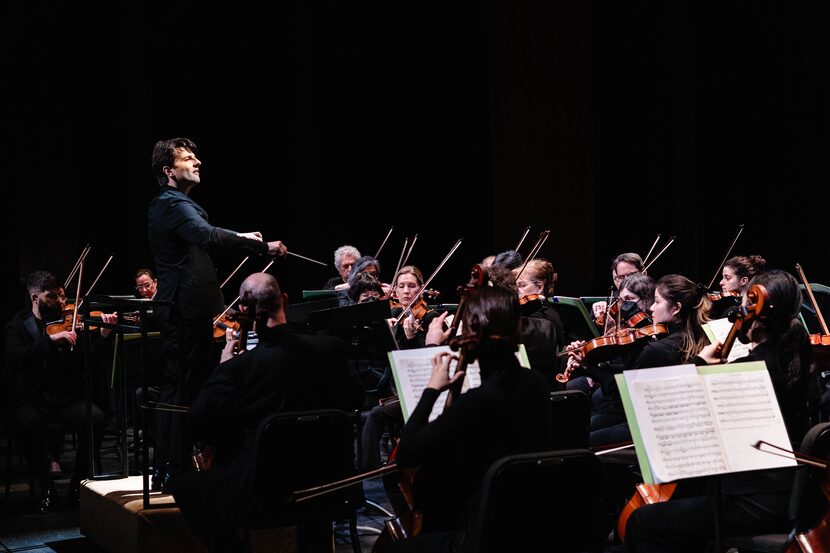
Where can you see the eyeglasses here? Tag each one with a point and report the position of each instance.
(141, 287)
(620, 278)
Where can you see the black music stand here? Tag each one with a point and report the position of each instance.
(298, 312)
(143, 307)
(365, 330)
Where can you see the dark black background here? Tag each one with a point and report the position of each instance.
(607, 123)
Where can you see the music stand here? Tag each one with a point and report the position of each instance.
(143, 307)
(298, 312)
(364, 328)
(575, 318)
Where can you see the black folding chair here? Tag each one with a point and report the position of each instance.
(549, 501)
(570, 416)
(302, 450)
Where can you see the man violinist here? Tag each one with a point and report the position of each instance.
(289, 370)
(623, 265)
(45, 372)
(180, 235)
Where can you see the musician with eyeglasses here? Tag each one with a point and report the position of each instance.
(146, 283)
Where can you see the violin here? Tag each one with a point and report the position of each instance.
(635, 319)
(730, 295)
(529, 298)
(65, 324)
(607, 347)
(224, 322)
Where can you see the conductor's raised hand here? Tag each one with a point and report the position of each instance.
(256, 235)
(440, 378)
(277, 248)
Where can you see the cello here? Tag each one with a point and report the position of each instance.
(645, 494)
(412, 484)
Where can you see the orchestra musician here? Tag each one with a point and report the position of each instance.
(365, 287)
(508, 258)
(680, 305)
(344, 259)
(535, 285)
(365, 264)
(289, 370)
(411, 331)
(623, 265)
(46, 375)
(146, 283)
(636, 295)
(686, 523)
(180, 236)
(507, 414)
(737, 272)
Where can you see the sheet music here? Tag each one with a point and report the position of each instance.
(747, 410)
(412, 368)
(696, 421)
(720, 329)
(678, 425)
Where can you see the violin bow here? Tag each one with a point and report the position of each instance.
(94, 282)
(543, 236)
(521, 241)
(813, 301)
(400, 260)
(382, 244)
(725, 257)
(230, 276)
(231, 304)
(420, 293)
(645, 260)
(656, 257)
(80, 260)
(408, 253)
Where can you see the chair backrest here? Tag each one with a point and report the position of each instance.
(808, 313)
(301, 450)
(570, 416)
(807, 502)
(549, 501)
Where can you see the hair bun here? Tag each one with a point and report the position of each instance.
(701, 290)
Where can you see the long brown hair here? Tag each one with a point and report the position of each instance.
(694, 305)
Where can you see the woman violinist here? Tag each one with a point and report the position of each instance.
(781, 341)
(542, 330)
(680, 306)
(506, 414)
(535, 284)
(410, 332)
(636, 296)
(737, 272)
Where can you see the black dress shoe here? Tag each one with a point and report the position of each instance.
(48, 500)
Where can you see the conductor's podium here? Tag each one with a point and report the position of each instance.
(114, 517)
